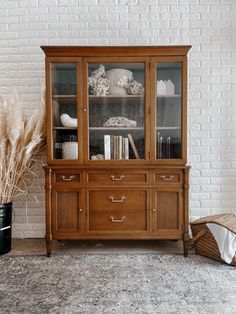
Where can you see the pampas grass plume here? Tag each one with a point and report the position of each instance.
(20, 140)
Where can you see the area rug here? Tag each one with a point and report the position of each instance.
(116, 283)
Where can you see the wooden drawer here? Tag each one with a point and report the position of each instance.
(168, 177)
(117, 199)
(113, 177)
(116, 220)
(66, 177)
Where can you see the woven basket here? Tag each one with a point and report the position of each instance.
(203, 240)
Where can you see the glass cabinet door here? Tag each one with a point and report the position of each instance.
(116, 111)
(168, 110)
(64, 111)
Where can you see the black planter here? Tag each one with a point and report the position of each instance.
(5, 227)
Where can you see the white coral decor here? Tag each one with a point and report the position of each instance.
(97, 82)
(120, 122)
(135, 88)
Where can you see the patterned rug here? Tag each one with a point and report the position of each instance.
(116, 283)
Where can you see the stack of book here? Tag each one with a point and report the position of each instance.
(117, 147)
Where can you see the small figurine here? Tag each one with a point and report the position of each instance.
(67, 121)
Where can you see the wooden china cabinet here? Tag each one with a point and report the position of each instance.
(116, 137)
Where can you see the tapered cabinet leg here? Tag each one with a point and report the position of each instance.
(49, 247)
(186, 241)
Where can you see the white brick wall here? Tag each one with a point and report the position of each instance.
(208, 25)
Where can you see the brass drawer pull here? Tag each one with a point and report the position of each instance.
(117, 219)
(65, 178)
(120, 178)
(121, 200)
(164, 178)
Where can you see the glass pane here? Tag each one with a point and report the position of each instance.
(116, 111)
(64, 111)
(168, 110)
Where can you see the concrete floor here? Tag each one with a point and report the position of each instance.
(37, 246)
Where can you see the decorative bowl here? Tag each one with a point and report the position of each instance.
(118, 80)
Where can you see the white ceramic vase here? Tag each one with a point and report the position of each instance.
(117, 78)
(70, 150)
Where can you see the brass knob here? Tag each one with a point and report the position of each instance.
(85, 110)
(81, 209)
(154, 210)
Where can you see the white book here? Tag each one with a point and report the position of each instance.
(107, 147)
(120, 147)
(126, 149)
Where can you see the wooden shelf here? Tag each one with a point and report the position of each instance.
(168, 128)
(63, 128)
(115, 129)
(115, 99)
(168, 96)
(64, 97)
(117, 96)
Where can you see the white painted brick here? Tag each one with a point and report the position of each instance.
(171, 16)
(194, 204)
(195, 188)
(122, 9)
(47, 3)
(210, 188)
(201, 196)
(166, 2)
(159, 8)
(220, 181)
(128, 2)
(28, 3)
(210, 157)
(108, 2)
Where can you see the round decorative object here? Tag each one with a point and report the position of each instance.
(116, 90)
(119, 80)
(70, 150)
(67, 121)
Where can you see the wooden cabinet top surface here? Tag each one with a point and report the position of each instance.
(55, 51)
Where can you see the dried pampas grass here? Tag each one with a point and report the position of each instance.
(20, 140)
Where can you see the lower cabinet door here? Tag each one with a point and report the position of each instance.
(118, 211)
(67, 213)
(167, 213)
